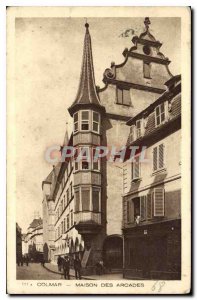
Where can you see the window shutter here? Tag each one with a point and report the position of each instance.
(154, 158)
(158, 202)
(126, 97)
(149, 206)
(161, 156)
(143, 207)
(119, 96)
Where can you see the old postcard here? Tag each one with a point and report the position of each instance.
(98, 185)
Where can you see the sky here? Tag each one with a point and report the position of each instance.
(48, 56)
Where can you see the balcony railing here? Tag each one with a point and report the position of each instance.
(88, 216)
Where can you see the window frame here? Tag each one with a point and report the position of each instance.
(85, 121)
(76, 122)
(160, 114)
(138, 129)
(96, 122)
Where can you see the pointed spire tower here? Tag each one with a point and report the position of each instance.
(87, 116)
(66, 139)
(87, 95)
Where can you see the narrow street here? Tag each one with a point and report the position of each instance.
(35, 272)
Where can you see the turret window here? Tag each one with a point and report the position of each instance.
(76, 122)
(96, 121)
(85, 120)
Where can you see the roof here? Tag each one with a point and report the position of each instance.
(35, 223)
(87, 93)
(170, 83)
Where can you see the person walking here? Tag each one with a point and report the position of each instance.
(77, 267)
(66, 267)
(59, 263)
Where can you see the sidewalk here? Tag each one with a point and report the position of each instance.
(54, 269)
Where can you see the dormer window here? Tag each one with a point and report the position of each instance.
(138, 128)
(159, 114)
(132, 133)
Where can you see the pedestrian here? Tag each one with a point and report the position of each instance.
(77, 267)
(66, 267)
(59, 263)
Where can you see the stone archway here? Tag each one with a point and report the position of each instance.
(113, 252)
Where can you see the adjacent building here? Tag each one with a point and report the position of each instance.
(34, 239)
(18, 243)
(82, 200)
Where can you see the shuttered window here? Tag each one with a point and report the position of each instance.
(85, 198)
(158, 157)
(149, 206)
(143, 207)
(135, 168)
(158, 202)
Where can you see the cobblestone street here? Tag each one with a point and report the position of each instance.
(35, 272)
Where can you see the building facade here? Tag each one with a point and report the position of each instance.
(18, 243)
(34, 239)
(152, 201)
(86, 196)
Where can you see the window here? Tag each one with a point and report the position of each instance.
(85, 155)
(138, 128)
(77, 200)
(135, 169)
(95, 121)
(71, 190)
(158, 157)
(149, 206)
(68, 221)
(71, 218)
(136, 207)
(67, 196)
(143, 207)
(160, 114)
(147, 70)
(85, 198)
(132, 133)
(64, 202)
(95, 199)
(64, 224)
(158, 198)
(84, 120)
(76, 164)
(123, 96)
(95, 164)
(76, 122)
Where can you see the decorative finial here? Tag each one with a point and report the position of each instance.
(86, 24)
(147, 23)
